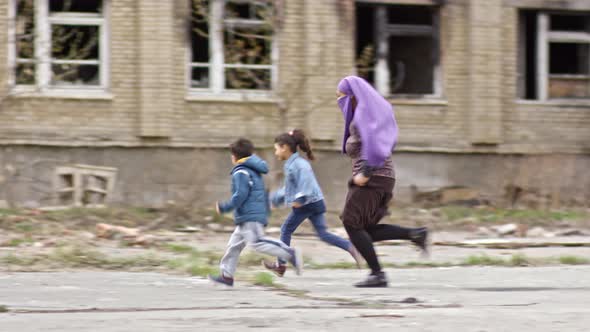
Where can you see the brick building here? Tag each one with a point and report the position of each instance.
(487, 93)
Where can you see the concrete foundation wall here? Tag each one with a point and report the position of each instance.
(153, 176)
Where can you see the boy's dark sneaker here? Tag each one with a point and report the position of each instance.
(221, 279)
(356, 255)
(419, 236)
(275, 267)
(373, 280)
(297, 260)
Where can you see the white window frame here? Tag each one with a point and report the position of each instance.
(217, 65)
(545, 36)
(384, 30)
(43, 24)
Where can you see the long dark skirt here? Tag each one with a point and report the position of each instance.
(367, 205)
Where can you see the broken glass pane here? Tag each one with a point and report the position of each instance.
(365, 43)
(245, 78)
(74, 74)
(248, 45)
(25, 73)
(252, 10)
(74, 42)
(25, 29)
(78, 6)
(200, 77)
(200, 31)
(569, 58)
(411, 63)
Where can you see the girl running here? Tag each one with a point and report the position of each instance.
(302, 193)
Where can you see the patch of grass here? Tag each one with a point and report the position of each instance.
(18, 241)
(573, 260)
(264, 279)
(201, 270)
(514, 260)
(520, 260)
(483, 260)
(335, 265)
(179, 248)
(454, 213)
(10, 211)
(19, 260)
(24, 227)
(77, 256)
(129, 217)
(427, 264)
(251, 259)
(194, 264)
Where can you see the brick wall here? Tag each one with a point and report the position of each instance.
(147, 95)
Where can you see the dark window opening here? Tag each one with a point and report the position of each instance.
(25, 73)
(569, 58)
(73, 74)
(412, 47)
(200, 77)
(79, 6)
(200, 30)
(528, 49)
(569, 70)
(250, 10)
(411, 66)
(579, 23)
(420, 15)
(365, 43)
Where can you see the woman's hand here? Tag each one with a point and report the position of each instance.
(360, 180)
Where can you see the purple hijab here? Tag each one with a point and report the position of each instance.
(373, 117)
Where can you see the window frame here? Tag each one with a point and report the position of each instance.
(217, 65)
(545, 36)
(44, 20)
(384, 30)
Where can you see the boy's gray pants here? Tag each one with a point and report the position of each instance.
(252, 234)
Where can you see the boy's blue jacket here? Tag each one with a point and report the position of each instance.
(249, 198)
(300, 186)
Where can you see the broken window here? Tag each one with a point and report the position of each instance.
(60, 43)
(232, 45)
(554, 57)
(25, 42)
(397, 48)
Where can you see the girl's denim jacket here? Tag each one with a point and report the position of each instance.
(300, 186)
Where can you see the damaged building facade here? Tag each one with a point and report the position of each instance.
(488, 94)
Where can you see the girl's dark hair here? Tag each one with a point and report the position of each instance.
(294, 139)
(242, 148)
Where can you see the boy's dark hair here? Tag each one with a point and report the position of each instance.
(294, 139)
(242, 148)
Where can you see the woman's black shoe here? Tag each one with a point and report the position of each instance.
(419, 237)
(373, 280)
